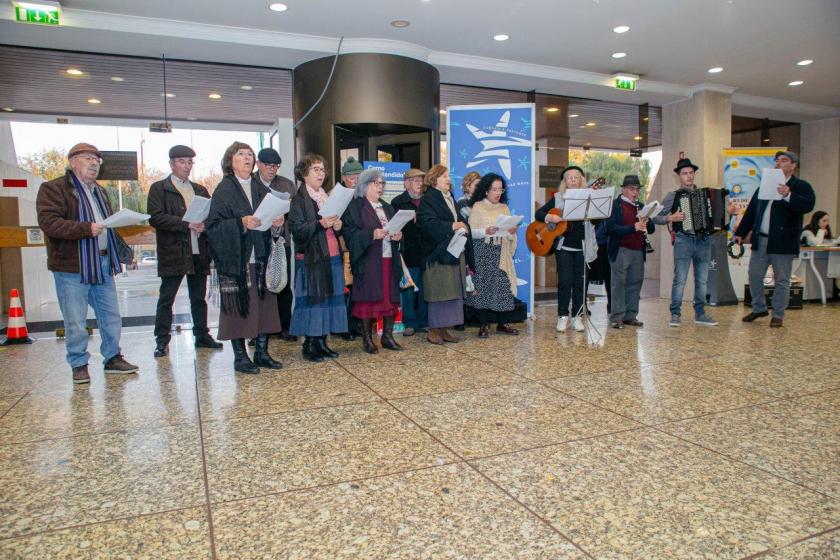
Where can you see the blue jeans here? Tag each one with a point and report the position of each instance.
(73, 299)
(688, 249)
(414, 307)
(782, 265)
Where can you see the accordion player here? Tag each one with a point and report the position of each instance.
(704, 209)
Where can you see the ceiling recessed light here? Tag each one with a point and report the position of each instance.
(552, 109)
(574, 116)
(805, 62)
(74, 72)
(8, 109)
(645, 119)
(278, 7)
(582, 126)
(443, 111)
(94, 101)
(590, 124)
(619, 54)
(796, 83)
(246, 88)
(637, 138)
(400, 23)
(621, 29)
(501, 37)
(715, 70)
(169, 95)
(215, 95)
(190, 118)
(117, 79)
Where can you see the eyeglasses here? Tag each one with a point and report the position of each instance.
(383, 183)
(318, 169)
(89, 157)
(271, 165)
(497, 189)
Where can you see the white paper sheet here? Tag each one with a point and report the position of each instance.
(124, 217)
(338, 201)
(399, 221)
(457, 243)
(281, 195)
(587, 204)
(198, 210)
(504, 223)
(771, 178)
(650, 210)
(270, 208)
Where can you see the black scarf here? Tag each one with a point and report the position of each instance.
(311, 240)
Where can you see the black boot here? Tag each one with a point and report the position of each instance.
(388, 334)
(261, 355)
(367, 338)
(310, 351)
(161, 348)
(321, 346)
(206, 341)
(241, 362)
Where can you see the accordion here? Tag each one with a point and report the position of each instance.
(704, 209)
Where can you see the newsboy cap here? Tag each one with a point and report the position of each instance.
(792, 156)
(83, 148)
(269, 155)
(180, 151)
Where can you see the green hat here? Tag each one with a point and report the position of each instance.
(351, 167)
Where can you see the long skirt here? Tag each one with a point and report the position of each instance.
(445, 314)
(383, 307)
(492, 284)
(328, 316)
(262, 315)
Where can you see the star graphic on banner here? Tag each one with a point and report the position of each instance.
(463, 153)
(485, 171)
(523, 162)
(526, 123)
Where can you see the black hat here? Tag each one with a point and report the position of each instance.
(684, 163)
(631, 181)
(180, 151)
(563, 175)
(269, 155)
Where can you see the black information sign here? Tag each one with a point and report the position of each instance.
(118, 166)
(550, 176)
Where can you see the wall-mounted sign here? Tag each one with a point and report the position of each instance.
(15, 183)
(550, 176)
(118, 166)
(34, 236)
(39, 13)
(635, 152)
(623, 83)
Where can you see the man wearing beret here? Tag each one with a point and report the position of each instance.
(82, 255)
(182, 250)
(350, 172)
(268, 165)
(775, 226)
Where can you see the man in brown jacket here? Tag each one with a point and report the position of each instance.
(181, 249)
(82, 255)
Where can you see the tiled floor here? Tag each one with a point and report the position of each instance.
(666, 443)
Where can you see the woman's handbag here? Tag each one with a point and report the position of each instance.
(276, 270)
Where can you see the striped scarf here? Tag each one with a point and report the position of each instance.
(89, 266)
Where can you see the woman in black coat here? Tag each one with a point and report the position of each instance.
(374, 260)
(240, 251)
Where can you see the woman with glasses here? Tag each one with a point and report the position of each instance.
(374, 260)
(240, 251)
(468, 184)
(319, 272)
(444, 276)
(495, 276)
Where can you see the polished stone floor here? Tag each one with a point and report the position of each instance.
(668, 443)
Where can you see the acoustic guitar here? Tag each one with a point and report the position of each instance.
(541, 236)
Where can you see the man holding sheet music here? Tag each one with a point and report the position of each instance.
(181, 248)
(774, 219)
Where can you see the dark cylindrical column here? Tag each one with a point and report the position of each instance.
(366, 88)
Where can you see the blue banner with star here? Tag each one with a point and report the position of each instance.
(498, 139)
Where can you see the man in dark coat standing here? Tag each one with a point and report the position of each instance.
(268, 164)
(775, 226)
(181, 248)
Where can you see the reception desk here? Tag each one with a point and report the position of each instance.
(813, 268)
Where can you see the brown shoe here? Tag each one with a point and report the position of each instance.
(503, 328)
(634, 323)
(751, 316)
(80, 374)
(483, 331)
(448, 336)
(775, 322)
(434, 336)
(117, 364)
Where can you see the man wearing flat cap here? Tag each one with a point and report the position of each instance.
(690, 249)
(83, 257)
(415, 310)
(775, 227)
(268, 165)
(350, 172)
(181, 248)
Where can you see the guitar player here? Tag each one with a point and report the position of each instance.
(577, 244)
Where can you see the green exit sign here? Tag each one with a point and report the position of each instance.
(622, 83)
(39, 15)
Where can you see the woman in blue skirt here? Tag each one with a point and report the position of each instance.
(319, 272)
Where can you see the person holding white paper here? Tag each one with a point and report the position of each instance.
(444, 276)
(414, 308)
(181, 249)
(493, 249)
(241, 251)
(775, 226)
(319, 272)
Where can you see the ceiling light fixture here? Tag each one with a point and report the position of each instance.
(74, 72)
(716, 70)
(646, 119)
(619, 54)
(805, 62)
(500, 37)
(443, 111)
(591, 124)
(117, 79)
(552, 109)
(278, 7)
(400, 23)
(246, 88)
(8, 109)
(94, 101)
(169, 95)
(574, 116)
(621, 29)
(796, 83)
(637, 138)
(215, 95)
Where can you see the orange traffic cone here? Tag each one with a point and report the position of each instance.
(16, 332)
